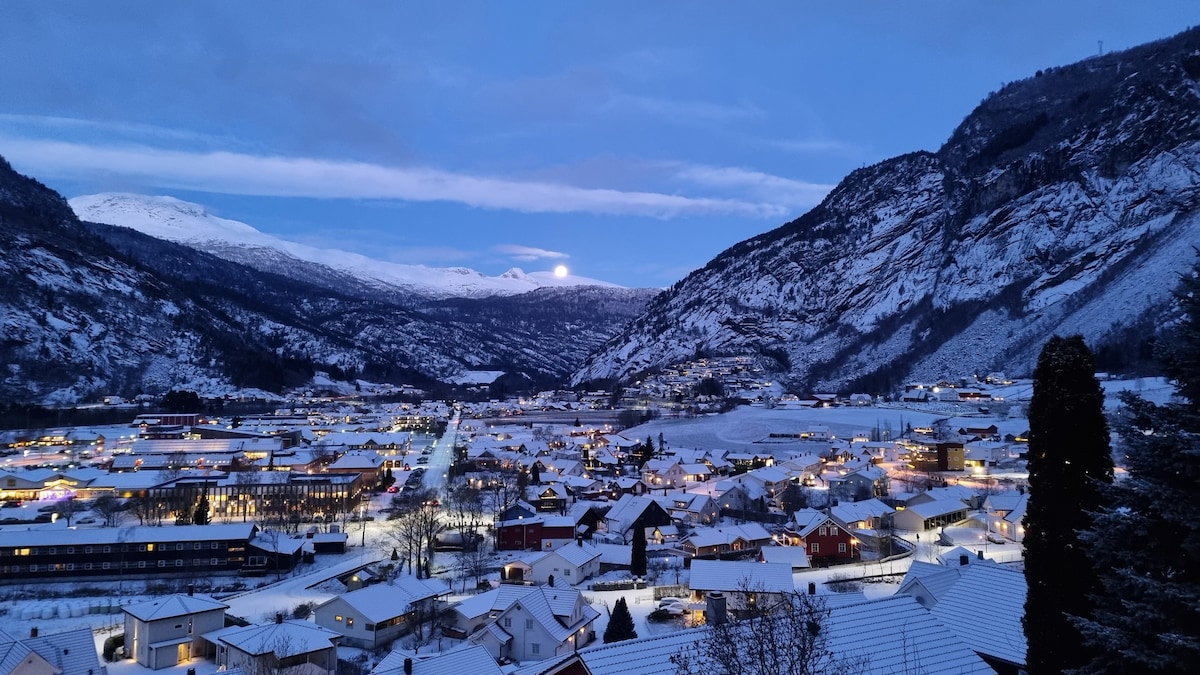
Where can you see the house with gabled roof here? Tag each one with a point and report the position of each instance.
(571, 564)
(65, 653)
(745, 584)
(868, 480)
(168, 631)
(1006, 514)
(374, 616)
(632, 511)
(279, 645)
(822, 535)
(868, 514)
(541, 623)
(690, 507)
(954, 595)
(713, 541)
(548, 498)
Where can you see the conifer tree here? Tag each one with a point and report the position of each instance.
(637, 558)
(1069, 462)
(1145, 540)
(620, 624)
(200, 515)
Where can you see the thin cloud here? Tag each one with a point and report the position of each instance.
(704, 111)
(273, 176)
(778, 189)
(529, 253)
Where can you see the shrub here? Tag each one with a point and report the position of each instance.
(111, 645)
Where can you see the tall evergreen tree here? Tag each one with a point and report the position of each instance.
(535, 474)
(637, 558)
(1145, 541)
(1069, 463)
(200, 515)
(620, 624)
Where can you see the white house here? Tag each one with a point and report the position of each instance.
(571, 564)
(542, 623)
(169, 631)
(374, 616)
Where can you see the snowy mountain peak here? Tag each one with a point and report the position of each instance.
(193, 225)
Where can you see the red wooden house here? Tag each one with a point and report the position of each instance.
(823, 537)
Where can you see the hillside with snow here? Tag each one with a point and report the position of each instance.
(193, 225)
(1066, 203)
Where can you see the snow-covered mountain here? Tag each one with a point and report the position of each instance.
(192, 225)
(1066, 203)
(88, 309)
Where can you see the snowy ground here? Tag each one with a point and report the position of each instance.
(747, 428)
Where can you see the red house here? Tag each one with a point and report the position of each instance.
(822, 536)
(537, 533)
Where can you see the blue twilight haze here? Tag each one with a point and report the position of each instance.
(629, 141)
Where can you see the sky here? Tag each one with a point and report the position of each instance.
(630, 141)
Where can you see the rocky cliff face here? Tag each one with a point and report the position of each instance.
(1066, 203)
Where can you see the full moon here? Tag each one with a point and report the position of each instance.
(561, 271)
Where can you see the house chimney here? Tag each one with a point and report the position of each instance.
(33, 632)
(191, 589)
(812, 588)
(408, 666)
(964, 559)
(979, 554)
(716, 608)
(579, 541)
(278, 617)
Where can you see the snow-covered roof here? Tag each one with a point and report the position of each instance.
(72, 651)
(577, 555)
(736, 575)
(494, 600)
(849, 512)
(380, 602)
(126, 535)
(357, 459)
(173, 606)
(795, 556)
(286, 638)
(996, 632)
(938, 507)
(807, 520)
(468, 659)
(925, 644)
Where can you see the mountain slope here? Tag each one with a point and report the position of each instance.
(90, 309)
(1065, 203)
(191, 224)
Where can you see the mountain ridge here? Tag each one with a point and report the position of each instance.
(90, 309)
(1052, 207)
(192, 224)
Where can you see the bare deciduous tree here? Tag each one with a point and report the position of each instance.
(109, 507)
(788, 635)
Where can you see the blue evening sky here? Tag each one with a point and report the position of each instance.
(631, 141)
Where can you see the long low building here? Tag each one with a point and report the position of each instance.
(177, 551)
